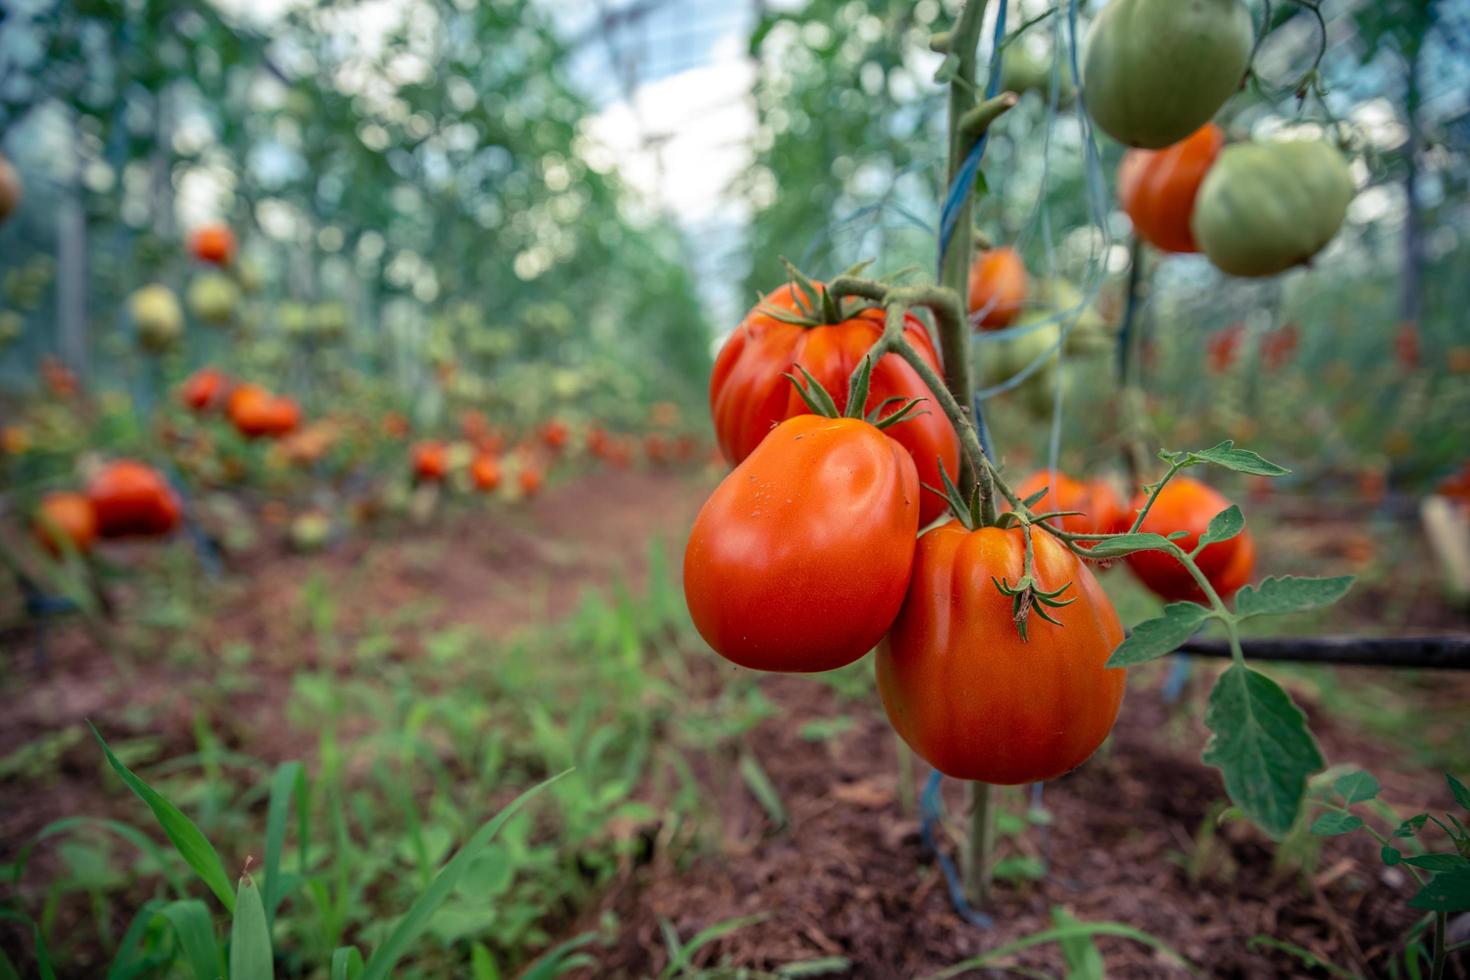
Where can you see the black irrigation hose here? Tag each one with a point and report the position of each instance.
(1450, 652)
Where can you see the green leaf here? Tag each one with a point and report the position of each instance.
(1277, 596)
(682, 954)
(1223, 526)
(1356, 787)
(1083, 960)
(1153, 638)
(1438, 862)
(250, 936)
(1335, 822)
(482, 964)
(346, 963)
(1460, 791)
(1239, 460)
(187, 838)
(1411, 826)
(43, 954)
(190, 920)
(1261, 745)
(123, 964)
(1391, 855)
(1446, 892)
(762, 788)
(289, 778)
(822, 967)
(417, 918)
(560, 960)
(1127, 544)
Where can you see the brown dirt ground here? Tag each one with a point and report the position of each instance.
(849, 876)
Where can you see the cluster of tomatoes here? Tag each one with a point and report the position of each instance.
(122, 499)
(252, 409)
(992, 640)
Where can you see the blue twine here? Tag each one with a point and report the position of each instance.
(1178, 676)
(929, 818)
(204, 548)
(964, 183)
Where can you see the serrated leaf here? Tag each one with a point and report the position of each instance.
(1127, 544)
(1460, 790)
(1334, 822)
(1445, 893)
(1261, 745)
(1239, 460)
(250, 936)
(1438, 862)
(1355, 787)
(1153, 638)
(1290, 594)
(1224, 526)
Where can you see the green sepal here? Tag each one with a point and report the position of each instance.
(816, 397)
(858, 387)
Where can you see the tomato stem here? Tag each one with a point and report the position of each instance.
(975, 870)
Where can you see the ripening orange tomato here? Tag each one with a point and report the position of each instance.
(63, 517)
(964, 690)
(132, 498)
(799, 559)
(1103, 511)
(1157, 188)
(395, 425)
(531, 478)
(485, 472)
(656, 448)
(998, 286)
(430, 461)
(204, 389)
(256, 412)
(213, 243)
(555, 434)
(1187, 505)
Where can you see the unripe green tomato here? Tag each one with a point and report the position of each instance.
(1002, 360)
(1157, 70)
(1265, 207)
(1022, 71)
(310, 531)
(213, 297)
(329, 320)
(157, 316)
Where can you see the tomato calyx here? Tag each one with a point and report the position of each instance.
(819, 400)
(817, 305)
(1027, 595)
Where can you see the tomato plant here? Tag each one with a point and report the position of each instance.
(1188, 505)
(998, 287)
(204, 389)
(1099, 508)
(132, 499)
(256, 412)
(66, 520)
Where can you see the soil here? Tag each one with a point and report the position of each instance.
(1133, 837)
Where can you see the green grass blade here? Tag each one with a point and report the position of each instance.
(704, 937)
(289, 778)
(43, 955)
(250, 936)
(127, 832)
(762, 788)
(122, 963)
(482, 964)
(190, 920)
(7, 968)
(381, 964)
(346, 963)
(187, 838)
(1058, 935)
(559, 959)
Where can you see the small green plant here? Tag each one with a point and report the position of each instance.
(1443, 875)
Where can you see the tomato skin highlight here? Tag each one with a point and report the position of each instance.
(749, 393)
(799, 560)
(966, 693)
(1185, 504)
(1157, 188)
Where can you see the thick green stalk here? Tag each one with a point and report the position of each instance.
(978, 857)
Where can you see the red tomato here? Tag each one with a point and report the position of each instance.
(531, 478)
(1188, 505)
(656, 448)
(66, 517)
(1278, 346)
(1103, 511)
(60, 380)
(799, 559)
(749, 393)
(967, 693)
(1406, 345)
(204, 389)
(256, 412)
(998, 286)
(1157, 187)
(485, 472)
(395, 425)
(430, 461)
(554, 434)
(1223, 347)
(213, 243)
(131, 498)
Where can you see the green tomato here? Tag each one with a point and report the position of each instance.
(1157, 70)
(159, 320)
(213, 297)
(1266, 207)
